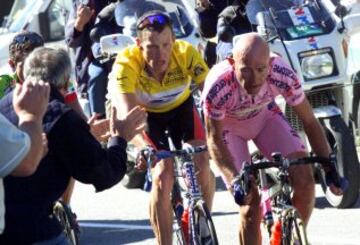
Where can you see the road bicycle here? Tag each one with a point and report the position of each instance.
(194, 224)
(281, 223)
(67, 220)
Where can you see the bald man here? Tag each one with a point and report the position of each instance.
(239, 105)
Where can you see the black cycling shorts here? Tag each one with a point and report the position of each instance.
(183, 124)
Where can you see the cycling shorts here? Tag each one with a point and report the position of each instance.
(269, 130)
(183, 124)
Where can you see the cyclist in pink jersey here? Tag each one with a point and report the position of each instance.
(239, 105)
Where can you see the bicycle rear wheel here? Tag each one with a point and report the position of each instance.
(293, 229)
(203, 229)
(67, 220)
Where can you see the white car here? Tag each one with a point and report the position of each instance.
(41, 16)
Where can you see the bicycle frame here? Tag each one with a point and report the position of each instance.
(276, 202)
(193, 193)
(197, 233)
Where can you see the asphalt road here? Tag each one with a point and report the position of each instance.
(120, 216)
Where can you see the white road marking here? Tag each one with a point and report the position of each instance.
(333, 241)
(115, 226)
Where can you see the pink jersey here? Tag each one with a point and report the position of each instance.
(224, 98)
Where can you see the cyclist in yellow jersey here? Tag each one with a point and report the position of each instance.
(156, 73)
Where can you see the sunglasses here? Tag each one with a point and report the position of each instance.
(30, 38)
(156, 19)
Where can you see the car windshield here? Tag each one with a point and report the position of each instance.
(294, 19)
(20, 13)
(129, 10)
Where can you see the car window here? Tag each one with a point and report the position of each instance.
(19, 14)
(57, 14)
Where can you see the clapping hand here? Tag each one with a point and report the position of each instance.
(131, 125)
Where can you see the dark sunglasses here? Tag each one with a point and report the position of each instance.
(156, 19)
(33, 39)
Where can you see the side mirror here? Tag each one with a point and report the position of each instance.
(112, 44)
(351, 23)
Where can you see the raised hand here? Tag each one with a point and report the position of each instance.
(30, 100)
(131, 125)
(99, 128)
(83, 16)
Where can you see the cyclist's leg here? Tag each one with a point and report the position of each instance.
(278, 136)
(187, 126)
(160, 204)
(162, 180)
(250, 215)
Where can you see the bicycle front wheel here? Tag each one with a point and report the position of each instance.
(202, 226)
(67, 221)
(293, 229)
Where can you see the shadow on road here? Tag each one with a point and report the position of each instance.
(220, 186)
(222, 213)
(114, 232)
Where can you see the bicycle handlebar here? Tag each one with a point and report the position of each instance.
(285, 163)
(149, 155)
(241, 183)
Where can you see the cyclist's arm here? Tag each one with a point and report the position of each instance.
(313, 129)
(218, 150)
(125, 102)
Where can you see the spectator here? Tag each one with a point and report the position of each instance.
(88, 72)
(232, 21)
(73, 152)
(100, 68)
(20, 47)
(22, 148)
(211, 13)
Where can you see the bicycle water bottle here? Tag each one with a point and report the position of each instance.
(276, 233)
(179, 209)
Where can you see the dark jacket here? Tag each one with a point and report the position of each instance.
(208, 17)
(232, 21)
(73, 152)
(80, 41)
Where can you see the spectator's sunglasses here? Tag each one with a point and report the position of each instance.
(155, 19)
(29, 38)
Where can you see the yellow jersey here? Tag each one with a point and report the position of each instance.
(129, 76)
